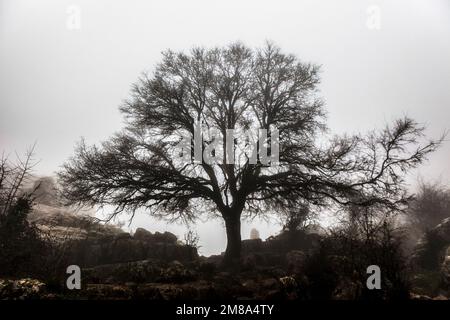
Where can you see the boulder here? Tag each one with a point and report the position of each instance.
(176, 272)
(165, 237)
(442, 230)
(415, 296)
(289, 287)
(445, 270)
(144, 235)
(22, 289)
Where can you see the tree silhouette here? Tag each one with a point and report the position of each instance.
(236, 87)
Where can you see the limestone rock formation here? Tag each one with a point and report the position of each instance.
(88, 242)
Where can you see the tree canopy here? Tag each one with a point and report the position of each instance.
(236, 87)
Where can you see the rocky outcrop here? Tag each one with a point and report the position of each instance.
(123, 247)
(144, 271)
(223, 286)
(144, 235)
(282, 243)
(87, 242)
(199, 290)
(287, 250)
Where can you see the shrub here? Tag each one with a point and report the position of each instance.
(338, 269)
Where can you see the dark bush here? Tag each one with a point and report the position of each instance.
(338, 268)
(21, 249)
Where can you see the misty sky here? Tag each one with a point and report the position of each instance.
(60, 80)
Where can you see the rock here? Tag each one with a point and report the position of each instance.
(414, 296)
(215, 259)
(273, 251)
(108, 292)
(274, 295)
(165, 237)
(445, 270)
(440, 297)
(426, 282)
(207, 268)
(148, 291)
(347, 289)
(170, 292)
(136, 272)
(292, 240)
(44, 191)
(295, 261)
(249, 262)
(198, 290)
(250, 285)
(86, 242)
(442, 230)
(142, 234)
(270, 284)
(288, 283)
(227, 286)
(22, 289)
(122, 236)
(100, 250)
(251, 246)
(176, 272)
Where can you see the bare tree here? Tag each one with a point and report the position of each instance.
(191, 238)
(296, 218)
(235, 87)
(20, 245)
(13, 176)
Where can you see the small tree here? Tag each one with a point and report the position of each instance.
(20, 245)
(237, 88)
(192, 239)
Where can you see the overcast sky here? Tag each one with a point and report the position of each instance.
(66, 66)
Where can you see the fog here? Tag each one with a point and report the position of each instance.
(66, 66)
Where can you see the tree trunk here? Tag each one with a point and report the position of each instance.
(233, 251)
